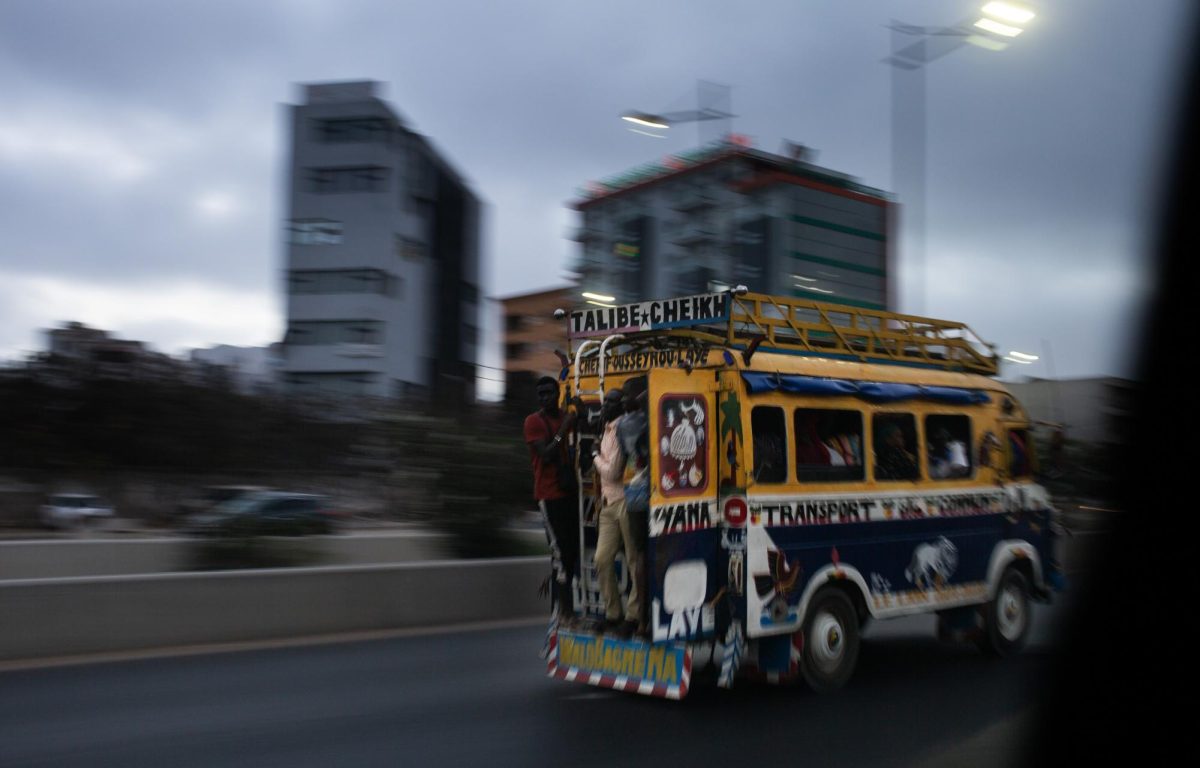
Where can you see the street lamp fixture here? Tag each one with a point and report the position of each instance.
(1023, 358)
(646, 119)
(673, 118)
(1008, 12)
(991, 25)
(598, 296)
(711, 96)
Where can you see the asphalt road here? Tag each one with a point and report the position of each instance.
(482, 698)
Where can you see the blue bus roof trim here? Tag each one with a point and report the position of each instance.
(875, 391)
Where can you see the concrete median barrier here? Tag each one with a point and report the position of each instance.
(55, 558)
(66, 616)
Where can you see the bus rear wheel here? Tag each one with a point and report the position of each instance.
(830, 641)
(1007, 616)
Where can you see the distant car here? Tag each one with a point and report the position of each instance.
(68, 510)
(267, 513)
(212, 495)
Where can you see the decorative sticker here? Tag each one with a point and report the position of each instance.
(682, 449)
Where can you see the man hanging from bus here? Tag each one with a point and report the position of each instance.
(546, 433)
(614, 534)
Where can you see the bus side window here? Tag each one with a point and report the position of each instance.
(1020, 459)
(770, 444)
(828, 445)
(895, 446)
(948, 441)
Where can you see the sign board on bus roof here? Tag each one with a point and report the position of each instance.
(702, 309)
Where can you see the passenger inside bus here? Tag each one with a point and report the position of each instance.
(810, 449)
(770, 450)
(947, 455)
(828, 445)
(841, 431)
(895, 455)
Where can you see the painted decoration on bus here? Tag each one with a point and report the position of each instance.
(680, 605)
(661, 669)
(831, 509)
(683, 445)
(644, 360)
(649, 315)
(683, 516)
(773, 582)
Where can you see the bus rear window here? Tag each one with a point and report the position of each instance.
(828, 445)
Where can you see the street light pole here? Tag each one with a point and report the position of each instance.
(913, 47)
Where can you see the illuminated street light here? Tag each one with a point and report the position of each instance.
(646, 119)
(1008, 12)
(707, 111)
(998, 28)
(1024, 356)
(598, 296)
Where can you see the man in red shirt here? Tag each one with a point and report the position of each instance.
(546, 433)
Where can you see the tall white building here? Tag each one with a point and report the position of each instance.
(725, 214)
(382, 255)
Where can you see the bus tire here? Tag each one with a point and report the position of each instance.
(830, 641)
(1008, 616)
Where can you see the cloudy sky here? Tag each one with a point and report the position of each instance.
(142, 145)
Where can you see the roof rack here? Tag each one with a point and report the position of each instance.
(739, 319)
(867, 335)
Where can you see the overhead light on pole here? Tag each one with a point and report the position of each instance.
(598, 296)
(646, 119)
(1008, 12)
(1003, 19)
(1000, 29)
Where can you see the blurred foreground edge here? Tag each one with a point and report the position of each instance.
(1123, 660)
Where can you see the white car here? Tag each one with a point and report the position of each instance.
(67, 510)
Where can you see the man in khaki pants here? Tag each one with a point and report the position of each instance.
(614, 534)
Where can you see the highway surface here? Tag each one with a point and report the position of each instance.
(482, 698)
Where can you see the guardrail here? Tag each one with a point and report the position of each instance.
(67, 616)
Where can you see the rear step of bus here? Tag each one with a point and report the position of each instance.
(633, 665)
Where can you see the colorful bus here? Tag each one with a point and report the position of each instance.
(813, 466)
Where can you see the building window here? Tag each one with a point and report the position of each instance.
(352, 129)
(515, 350)
(514, 323)
(770, 444)
(322, 332)
(314, 232)
(367, 178)
(828, 445)
(410, 250)
(895, 446)
(344, 281)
